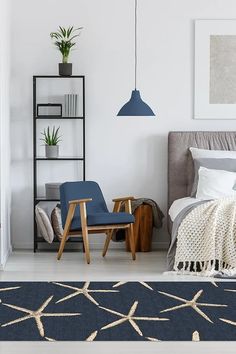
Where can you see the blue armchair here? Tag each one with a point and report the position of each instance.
(84, 211)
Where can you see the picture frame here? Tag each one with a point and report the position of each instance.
(215, 69)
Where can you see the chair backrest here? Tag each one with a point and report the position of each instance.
(81, 190)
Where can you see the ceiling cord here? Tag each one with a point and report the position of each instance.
(136, 42)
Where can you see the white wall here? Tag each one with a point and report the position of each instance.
(5, 244)
(125, 155)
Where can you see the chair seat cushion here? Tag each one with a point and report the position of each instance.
(103, 219)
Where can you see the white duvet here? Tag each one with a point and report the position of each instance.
(179, 204)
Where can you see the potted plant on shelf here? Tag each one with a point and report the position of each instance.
(51, 140)
(64, 41)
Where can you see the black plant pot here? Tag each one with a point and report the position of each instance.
(65, 69)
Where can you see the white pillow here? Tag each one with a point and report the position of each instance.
(214, 154)
(44, 224)
(215, 184)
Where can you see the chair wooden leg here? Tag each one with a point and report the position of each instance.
(66, 230)
(83, 216)
(106, 245)
(128, 209)
(86, 244)
(132, 241)
(116, 209)
(62, 244)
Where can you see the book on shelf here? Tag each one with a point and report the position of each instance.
(71, 105)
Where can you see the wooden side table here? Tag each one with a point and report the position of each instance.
(143, 227)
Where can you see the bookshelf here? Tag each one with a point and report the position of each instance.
(41, 163)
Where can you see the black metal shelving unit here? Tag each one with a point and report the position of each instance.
(36, 198)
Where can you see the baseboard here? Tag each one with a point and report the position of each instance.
(5, 258)
(94, 246)
(46, 246)
(22, 246)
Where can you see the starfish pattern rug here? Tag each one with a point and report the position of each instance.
(117, 311)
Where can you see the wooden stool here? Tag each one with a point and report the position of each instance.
(143, 227)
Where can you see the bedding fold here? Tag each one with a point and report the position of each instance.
(177, 221)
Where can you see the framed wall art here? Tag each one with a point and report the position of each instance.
(215, 69)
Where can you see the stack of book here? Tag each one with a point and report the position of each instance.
(71, 105)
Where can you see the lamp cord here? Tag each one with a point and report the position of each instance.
(136, 42)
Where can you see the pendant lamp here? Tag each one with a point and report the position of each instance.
(135, 106)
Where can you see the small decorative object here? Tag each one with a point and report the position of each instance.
(51, 140)
(49, 109)
(64, 41)
(71, 105)
(215, 69)
(52, 190)
(135, 106)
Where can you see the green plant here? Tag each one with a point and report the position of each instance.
(51, 138)
(64, 40)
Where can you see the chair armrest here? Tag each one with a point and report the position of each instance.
(123, 199)
(79, 201)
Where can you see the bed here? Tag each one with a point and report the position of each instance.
(180, 163)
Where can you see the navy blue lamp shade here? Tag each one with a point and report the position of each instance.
(135, 106)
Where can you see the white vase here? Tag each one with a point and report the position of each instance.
(51, 151)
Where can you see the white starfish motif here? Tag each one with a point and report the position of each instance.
(151, 339)
(228, 321)
(190, 303)
(124, 282)
(83, 291)
(36, 315)
(12, 288)
(92, 336)
(214, 284)
(8, 289)
(195, 337)
(231, 290)
(50, 339)
(130, 318)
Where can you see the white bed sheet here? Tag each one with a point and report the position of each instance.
(179, 204)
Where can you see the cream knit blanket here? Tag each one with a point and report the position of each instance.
(206, 241)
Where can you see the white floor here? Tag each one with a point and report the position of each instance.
(116, 266)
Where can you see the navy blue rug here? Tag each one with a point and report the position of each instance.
(124, 311)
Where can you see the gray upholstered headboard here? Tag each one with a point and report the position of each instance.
(180, 164)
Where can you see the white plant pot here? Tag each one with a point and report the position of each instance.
(51, 151)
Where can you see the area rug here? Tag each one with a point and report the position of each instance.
(117, 311)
